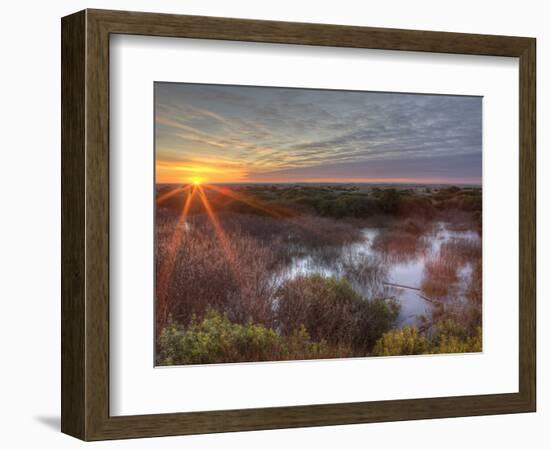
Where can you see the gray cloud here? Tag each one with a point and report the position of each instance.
(311, 132)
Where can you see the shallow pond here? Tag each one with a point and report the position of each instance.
(390, 270)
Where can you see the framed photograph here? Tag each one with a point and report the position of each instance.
(273, 225)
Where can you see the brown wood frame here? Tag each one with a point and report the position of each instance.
(85, 224)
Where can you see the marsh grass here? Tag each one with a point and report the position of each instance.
(441, 272)
(365, 272)
(403, 240)
(464, 250)
(205, 276)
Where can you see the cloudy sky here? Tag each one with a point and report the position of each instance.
(222, 134)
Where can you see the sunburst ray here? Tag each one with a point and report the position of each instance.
(172, 192)
(165, 272)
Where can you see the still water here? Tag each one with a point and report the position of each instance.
(374, 271)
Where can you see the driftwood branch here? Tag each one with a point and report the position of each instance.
(402, 286)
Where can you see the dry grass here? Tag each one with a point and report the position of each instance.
(441, 270)
(207, 275)
(465, 250)
(440, 273)
(402, 241)
(366, 273)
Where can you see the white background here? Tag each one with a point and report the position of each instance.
(136, 387)
(30, 230)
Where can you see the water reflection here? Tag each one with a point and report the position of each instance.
(416, 269)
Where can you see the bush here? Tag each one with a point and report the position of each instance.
(390, 201)
(330, 309)
(413, 206)
(448, 337)
(449, 343)
(403, 341)
(216, 339)
(373, 319)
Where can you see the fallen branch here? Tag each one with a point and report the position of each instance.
(402, 286)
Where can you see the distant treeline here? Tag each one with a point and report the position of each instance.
(352, 202)
(341, 202)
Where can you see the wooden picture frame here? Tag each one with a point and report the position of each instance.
(85, 224)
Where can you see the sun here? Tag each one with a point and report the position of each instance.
(196, 181)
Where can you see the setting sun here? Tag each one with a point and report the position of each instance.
(196, 181)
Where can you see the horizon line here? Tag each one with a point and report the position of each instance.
(430, 183)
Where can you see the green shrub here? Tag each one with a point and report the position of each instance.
(215, 339)
(448, 337)
(373, 319)
(390, 201)
(452, 337)
(453, 344)
(331, 310)
(403, 341)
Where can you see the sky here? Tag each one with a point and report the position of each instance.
(232, 134)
